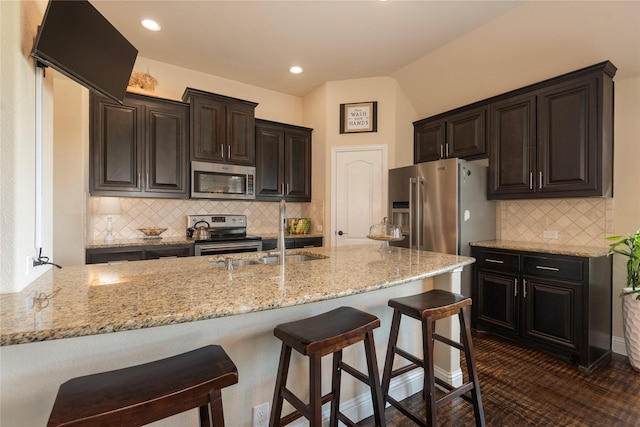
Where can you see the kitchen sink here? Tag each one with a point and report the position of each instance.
(242, 262)
(236, 262)
(288, 258)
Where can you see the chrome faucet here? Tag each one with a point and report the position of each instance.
(283, 224)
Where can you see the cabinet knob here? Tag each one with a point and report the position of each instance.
(340, 233)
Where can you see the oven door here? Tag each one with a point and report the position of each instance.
(220, 248)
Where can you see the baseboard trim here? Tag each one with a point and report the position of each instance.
(401, 387)
(618, 346)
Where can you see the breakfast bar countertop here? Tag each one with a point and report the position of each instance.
(571, 250)
(101, 298)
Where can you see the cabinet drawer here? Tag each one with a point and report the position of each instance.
(497, 260)
(556, 268)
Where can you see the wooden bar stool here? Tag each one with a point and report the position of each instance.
(318, 336)
(428, 307)
(145, 393)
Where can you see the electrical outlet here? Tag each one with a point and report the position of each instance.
(261, 415)
(319, 227)
(550, 234)
(30, 267)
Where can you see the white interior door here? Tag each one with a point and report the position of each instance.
(359, 192)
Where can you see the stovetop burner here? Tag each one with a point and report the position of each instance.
(222, 228)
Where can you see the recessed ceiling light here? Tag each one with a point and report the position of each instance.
(150, 25)
(295, 70)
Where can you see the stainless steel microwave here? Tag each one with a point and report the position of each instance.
(222, 181)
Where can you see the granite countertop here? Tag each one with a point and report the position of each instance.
(102, 298)
(572, 250)
(120, 243)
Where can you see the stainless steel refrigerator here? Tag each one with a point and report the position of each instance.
(441, 206)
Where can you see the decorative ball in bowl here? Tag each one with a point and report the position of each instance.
(152, 232)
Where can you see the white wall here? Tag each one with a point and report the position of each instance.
(173, 80)
(535, 41)
(70, 170)
(326, 101)
(626, 176)
(17, 146)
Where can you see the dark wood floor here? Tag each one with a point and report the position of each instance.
(523, 387)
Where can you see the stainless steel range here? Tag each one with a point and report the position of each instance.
(226, 234)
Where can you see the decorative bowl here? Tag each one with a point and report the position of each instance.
(152, 232)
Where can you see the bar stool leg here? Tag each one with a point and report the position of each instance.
(428, 326)
(465, 322)
(315, 390)
(204, 416)
(374, 381)
(393, 340)
(283, 370)
(336, 381)
(217, 416)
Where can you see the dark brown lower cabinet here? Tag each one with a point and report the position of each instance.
(556, 303)
(292, 243)
(136, 253)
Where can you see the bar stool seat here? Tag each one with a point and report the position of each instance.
(428, 307)
(317, 336)
(141, 394)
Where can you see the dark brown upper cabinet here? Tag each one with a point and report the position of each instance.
(222, 128)
(140, 148)
(459, 133)
(283, 162)
(513, 146)
(555, 138)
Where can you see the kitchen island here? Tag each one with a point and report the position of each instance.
(93, 318)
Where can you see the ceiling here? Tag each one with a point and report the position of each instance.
(255, 42)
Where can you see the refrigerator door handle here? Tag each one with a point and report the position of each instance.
(412, 229)
(419, 213)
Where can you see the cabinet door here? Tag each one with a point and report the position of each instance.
(269, 162)
(207, 129)
(568, 139)
(428, 141)
(116, 147)
(496, 298)
(297, 165)
(166, 150)
(513, 141)
(467, 134)
(240, 132)
(169, 251)
(552, 312)
(307, 242)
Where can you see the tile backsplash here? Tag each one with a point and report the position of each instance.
(583, 222)
(262, 217)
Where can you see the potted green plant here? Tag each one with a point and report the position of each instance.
(629, 246)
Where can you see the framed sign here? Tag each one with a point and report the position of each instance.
(359, 117)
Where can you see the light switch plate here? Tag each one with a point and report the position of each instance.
(550, 234)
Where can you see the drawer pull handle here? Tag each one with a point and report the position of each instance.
(542, 267)
(495, 261)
